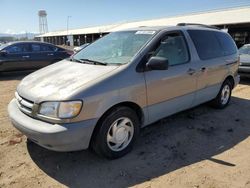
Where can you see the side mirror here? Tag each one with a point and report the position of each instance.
(3, 53)
(157, 63)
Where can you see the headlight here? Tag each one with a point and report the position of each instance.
(68, 109)
(49, 109)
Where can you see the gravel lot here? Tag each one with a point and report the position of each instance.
(201, 147)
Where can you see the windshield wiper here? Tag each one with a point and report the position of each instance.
(93, 61)
(88, 61)
(76, 60)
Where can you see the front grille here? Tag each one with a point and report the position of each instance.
(24, 105)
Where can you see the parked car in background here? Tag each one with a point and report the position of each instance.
(29, 55)
(78, 48)
(104, 94)
(244, 68)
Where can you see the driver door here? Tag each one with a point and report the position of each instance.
(172, 90)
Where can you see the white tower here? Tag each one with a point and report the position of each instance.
(43, 25)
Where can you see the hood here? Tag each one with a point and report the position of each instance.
(245, 59)
(60, 80)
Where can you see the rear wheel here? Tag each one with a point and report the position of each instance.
(224, 96)
(117, 133)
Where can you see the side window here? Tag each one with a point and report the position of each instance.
(60, 50)
(35, 47)
(18, 48)
(206, 43)
(47, 48)
(174, 48)
(227, 43)
(55, 49)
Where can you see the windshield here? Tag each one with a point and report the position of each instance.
(245, 49)
(115, 48)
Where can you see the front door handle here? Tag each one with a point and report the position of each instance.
(50, 54)
(191, 71)
(26, 56)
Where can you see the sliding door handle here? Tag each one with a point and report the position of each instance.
(203, 69)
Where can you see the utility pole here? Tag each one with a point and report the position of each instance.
(68, 28)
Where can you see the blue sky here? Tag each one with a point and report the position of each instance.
(18, 16)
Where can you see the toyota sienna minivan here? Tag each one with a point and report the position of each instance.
(104, 94)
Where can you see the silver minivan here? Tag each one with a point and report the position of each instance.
(104, 94)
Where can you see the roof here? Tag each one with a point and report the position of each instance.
(21, 42)
(171, 28)
(215, 17)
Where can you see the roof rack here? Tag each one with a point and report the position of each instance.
(196, 24)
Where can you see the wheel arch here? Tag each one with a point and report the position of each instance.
(230, 78)
(131, 105)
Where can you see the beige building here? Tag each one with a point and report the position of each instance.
(235, 21)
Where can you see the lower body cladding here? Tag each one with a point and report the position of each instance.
(57, 137)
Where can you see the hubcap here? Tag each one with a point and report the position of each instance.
(120, 134)
(225, 94)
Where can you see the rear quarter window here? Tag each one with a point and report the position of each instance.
(206, 43)
(48, 48)
(226, 43)
(60, 50)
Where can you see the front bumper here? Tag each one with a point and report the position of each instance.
(57, 137)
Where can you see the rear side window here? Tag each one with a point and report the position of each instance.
(60, 49)
(206, 43)
(35, 47)
(227, 43)
(47, 48)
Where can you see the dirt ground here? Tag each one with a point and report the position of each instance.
(198, 148)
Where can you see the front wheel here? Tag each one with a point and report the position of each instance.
(117, 133)
(224, 96)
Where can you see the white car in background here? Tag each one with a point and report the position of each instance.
(244, 68)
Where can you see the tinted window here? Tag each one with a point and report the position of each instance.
(46, 48)
(35, 47)
(60, 49)
(18, 48)
(206, 43)
(227, 43)
(173, 47)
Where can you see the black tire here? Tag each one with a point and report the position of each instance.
(100, 142)
(218, 102)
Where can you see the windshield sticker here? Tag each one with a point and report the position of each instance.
(145, 32)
